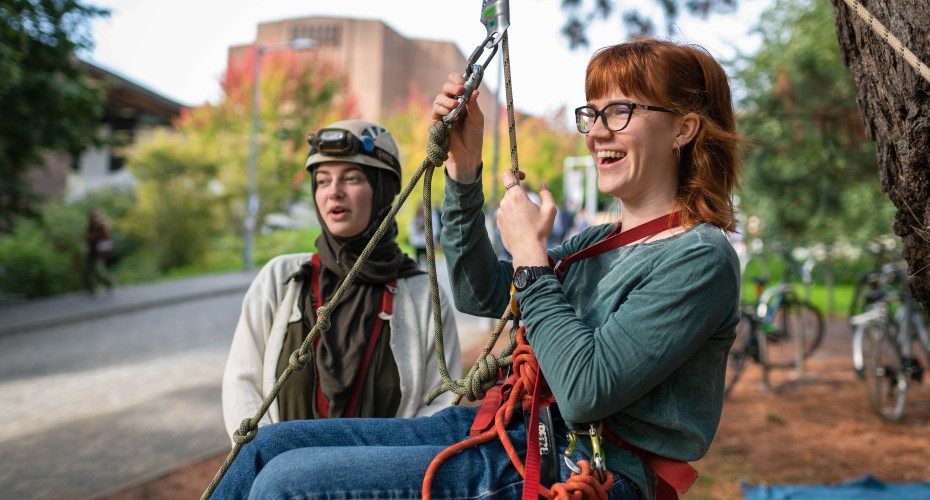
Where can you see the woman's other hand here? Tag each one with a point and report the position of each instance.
(467, 131)
(524, 226)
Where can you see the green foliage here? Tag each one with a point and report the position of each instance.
(812, 175)
(45, 255)
(295, 98)
(225, 252)
(177, 209)
(46, 103)
(580, 14)
(30, 265)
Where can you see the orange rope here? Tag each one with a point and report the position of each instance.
(525, 367)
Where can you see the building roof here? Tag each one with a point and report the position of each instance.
(125, 93)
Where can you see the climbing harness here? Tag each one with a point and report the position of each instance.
(384, 314)
(525, 381)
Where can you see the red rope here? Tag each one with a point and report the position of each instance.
(525, 368)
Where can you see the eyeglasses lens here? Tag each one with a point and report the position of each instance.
(616, 116)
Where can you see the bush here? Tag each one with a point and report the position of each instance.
(31, 266)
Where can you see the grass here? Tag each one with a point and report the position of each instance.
(831, 302)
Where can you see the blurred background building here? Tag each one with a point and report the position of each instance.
(385, 70)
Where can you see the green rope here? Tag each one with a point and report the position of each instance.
(483, 374)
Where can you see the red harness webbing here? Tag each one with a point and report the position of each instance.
(387, 308)
(671, 475)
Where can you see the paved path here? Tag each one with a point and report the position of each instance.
(107, 392)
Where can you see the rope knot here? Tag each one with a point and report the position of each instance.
(298, 361)
(246, 432)
(322, 318)
(437, 148)
(478, 383)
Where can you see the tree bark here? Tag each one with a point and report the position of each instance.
(894, 101)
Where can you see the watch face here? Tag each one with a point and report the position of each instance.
(520, 278)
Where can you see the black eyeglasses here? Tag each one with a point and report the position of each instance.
(341, 142)
(616, 115)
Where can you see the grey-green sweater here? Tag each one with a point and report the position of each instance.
(637, 337)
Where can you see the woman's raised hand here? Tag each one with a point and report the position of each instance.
(467, 132)
(524, 226)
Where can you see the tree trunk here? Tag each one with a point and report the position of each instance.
(894, 101)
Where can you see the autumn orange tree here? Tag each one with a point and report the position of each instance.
(207, 155)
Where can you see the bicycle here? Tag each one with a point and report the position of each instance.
(886, 340)
(780, 330)
(868, 282)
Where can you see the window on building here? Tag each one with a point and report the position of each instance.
(325, 35)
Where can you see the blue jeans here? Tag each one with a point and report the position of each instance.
(380, 458)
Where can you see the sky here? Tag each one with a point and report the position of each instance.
(178, 48)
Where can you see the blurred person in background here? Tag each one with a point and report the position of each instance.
(99, 251)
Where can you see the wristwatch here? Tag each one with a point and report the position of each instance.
(524, 276)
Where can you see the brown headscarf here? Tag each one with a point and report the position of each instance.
(339, 353)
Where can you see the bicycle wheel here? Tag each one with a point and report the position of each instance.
(919, 348)
(742, 349)
(885, 379)
(794, 319)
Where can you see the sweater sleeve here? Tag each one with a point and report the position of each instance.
(480, 282)
(242, 378)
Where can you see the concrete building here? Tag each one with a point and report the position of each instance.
(129, 109)
(384, 69)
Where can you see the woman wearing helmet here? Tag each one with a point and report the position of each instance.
(378, 357)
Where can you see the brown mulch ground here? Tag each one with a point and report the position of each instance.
(817, 428)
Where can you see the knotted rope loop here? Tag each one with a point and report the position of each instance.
(476, 384)
(322, 318)
(525, 366)
(298, 361)
(437, 148)
(246, 432)
(481, 381)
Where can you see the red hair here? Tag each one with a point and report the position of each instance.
(686, 79)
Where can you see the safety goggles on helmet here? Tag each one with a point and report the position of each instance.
(337, 142)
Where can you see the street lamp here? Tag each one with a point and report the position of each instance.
(252, 203)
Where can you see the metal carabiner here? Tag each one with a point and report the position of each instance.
(495, 16)
(567, 455)
(473, 76)
(474, 72)
(598, 459)
(597, 453)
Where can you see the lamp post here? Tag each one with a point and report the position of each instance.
(252, 201)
